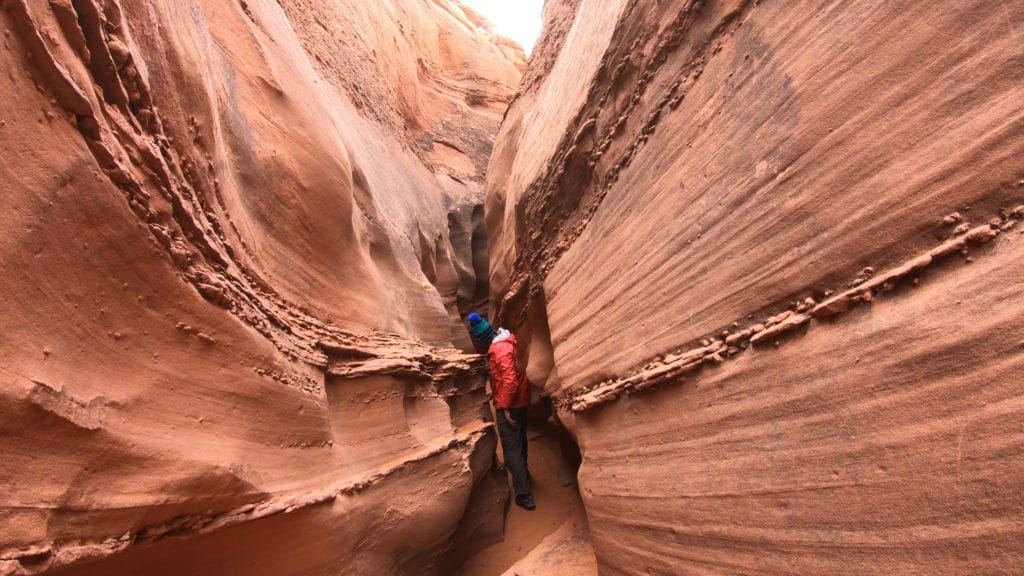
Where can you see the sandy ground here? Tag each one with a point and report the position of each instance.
(559, 518)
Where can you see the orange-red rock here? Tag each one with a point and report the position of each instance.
(234, 233)
(673, 173)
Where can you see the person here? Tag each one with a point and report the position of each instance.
(511, 394)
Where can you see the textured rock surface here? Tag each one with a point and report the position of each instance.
(766, 257)
(226, 276)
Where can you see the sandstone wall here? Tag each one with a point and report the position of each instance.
(233, 236)
(765, 256)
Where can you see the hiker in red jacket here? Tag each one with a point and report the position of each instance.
(511, 400)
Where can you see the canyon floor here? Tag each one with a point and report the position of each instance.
(552, 539)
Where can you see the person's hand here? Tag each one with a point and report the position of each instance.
(508, 418)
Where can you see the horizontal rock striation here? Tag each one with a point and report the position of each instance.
(227, 286)
(761, 255)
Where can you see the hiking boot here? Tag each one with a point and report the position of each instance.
(526, 502)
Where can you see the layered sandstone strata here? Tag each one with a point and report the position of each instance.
(766, 258)
(233, 236)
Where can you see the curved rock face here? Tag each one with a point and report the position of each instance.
(234, 233)
(765, 256)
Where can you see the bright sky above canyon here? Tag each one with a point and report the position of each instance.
(520, 20)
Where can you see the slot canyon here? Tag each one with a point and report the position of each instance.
(763, 261)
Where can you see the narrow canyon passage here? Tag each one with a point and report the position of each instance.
(762, 260)
(553, 538)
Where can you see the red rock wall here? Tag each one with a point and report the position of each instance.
(765, 256)
(226, 283)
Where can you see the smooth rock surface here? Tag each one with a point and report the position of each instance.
(673, 193)
(234, 234)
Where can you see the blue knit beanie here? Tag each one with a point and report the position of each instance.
(480, 328)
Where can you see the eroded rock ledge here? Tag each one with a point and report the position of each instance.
(717, 348)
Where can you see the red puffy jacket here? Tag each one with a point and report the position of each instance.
(511, 390)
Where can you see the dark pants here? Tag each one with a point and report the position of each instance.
(513, 446)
